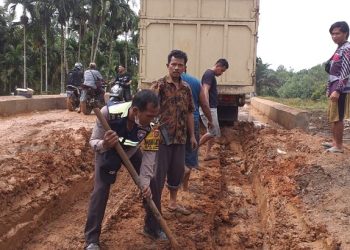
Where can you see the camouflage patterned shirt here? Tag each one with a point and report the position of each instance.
(175, 105)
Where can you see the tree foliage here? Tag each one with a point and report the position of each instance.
(304, 84)
(62, 32)
(69, 31)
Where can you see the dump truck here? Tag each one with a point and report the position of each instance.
(206, 30)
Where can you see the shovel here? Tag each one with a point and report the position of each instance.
(136, 179)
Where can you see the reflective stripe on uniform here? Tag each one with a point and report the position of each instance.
(120, 108)
(128, 142)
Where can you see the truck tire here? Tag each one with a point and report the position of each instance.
(235, 113)
(241, 100)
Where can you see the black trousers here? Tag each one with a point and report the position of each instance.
(170, 166)
(127, 94)
(98, 201)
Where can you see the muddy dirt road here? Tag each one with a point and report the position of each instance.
(269, 189)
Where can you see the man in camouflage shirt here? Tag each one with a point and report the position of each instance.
(176, 119)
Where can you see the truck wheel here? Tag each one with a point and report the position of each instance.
(241, 100)
(70, 104)
(235, 113)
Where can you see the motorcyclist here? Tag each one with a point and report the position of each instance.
(76, 75)
(94, 80)
(74, 80)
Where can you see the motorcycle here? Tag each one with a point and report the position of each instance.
(73, 97)
(94, 98)
(116, 94)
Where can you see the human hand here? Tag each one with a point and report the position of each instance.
(146, 192)
(110, 139)
(334, 96)
(193, 142)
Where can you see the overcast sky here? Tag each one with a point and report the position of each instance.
(294, 33)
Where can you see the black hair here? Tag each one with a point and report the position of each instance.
(222, 62)
(177, 54)
(117, 67)
(344, 27)
(143, 97)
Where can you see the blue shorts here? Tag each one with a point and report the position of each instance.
(191, 156)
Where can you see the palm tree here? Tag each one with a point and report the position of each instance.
(266, 81)
(78, 22)
(5, 50)
(120, 19)
(62, 10)
(24, 21)
(45, 10)
(130, 24)
(79, 18)
(96, 21)
(27, 5)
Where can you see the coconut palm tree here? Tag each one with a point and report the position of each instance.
(117, 22)
(79, 19)
(27, 5)
(45, 10)
(63, 13)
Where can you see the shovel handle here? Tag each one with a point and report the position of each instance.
(136, 179)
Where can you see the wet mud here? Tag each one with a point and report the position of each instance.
(269, 188)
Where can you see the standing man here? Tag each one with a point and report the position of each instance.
(211, 94)
(123, 78)
(176, 120)
(130, 124)
(338, 88)
(198, 96)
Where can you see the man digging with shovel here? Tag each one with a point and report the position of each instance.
(130, 124)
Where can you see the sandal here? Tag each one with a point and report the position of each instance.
(180, 209)
(335, 150)
(327, 144)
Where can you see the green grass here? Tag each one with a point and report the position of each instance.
(306, 104)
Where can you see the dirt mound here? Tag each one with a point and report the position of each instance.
(38, 175)
(41, 174)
